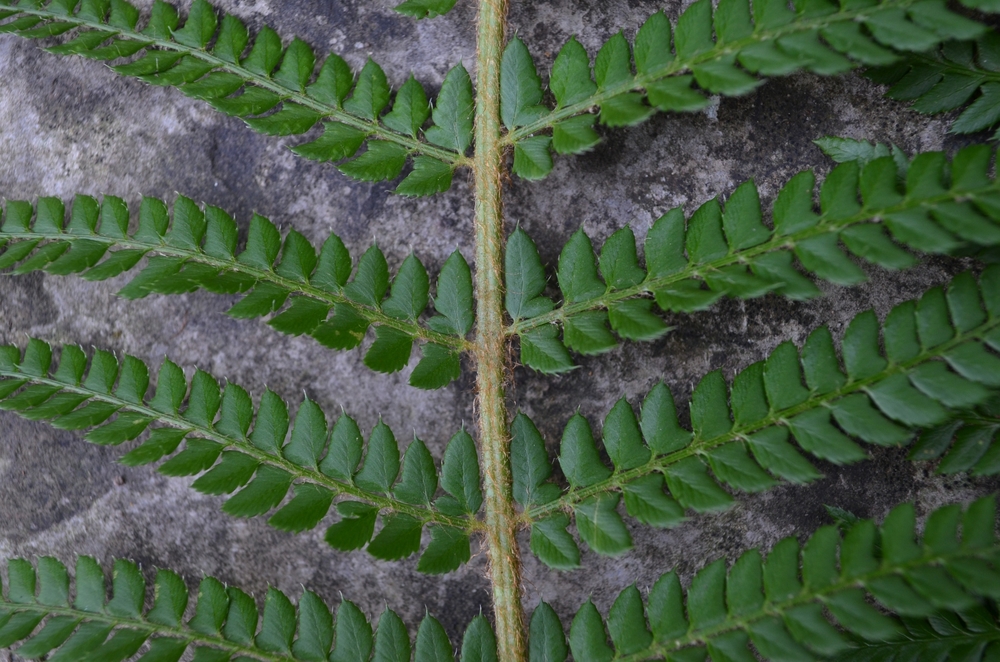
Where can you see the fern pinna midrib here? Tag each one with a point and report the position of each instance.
(938, 207)
(194, 248)
(935, 593)
(181, 57)
(318, 463)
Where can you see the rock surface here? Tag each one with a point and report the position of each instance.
(70, 126)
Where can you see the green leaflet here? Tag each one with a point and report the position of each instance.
(257, 455)
(936, 376)
(520, 86)
(729, 50)
(425, 8)
(204, 59)
(284, 277)
(726, 250)
(226, 622)
(810, 602)
(525, 278)
(453, 112)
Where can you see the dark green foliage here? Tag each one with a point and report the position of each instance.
(276, 90)
(938, 371)
(964, 73)
(300, 289)
(35, 615)
(729, 50)
(868, 207)
(261, 453)
(425, 8)
(877, 594)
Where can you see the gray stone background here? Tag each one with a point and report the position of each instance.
(69, 126)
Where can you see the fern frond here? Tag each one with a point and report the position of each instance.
(197, 249)
(111, 399)
(275, 89)
(938, 207)
(42, 614)
(940, 363)
(936, 597)
(726, 50)
(960, 74)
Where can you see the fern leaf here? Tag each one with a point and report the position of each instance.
(284, 278)
(937, 372)
(936, 598)
(727, 50)
(276, 90)
(261, 453)
(960, 74)
(43, 617)
(869, 207)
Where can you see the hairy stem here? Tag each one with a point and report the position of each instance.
(501, 519)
